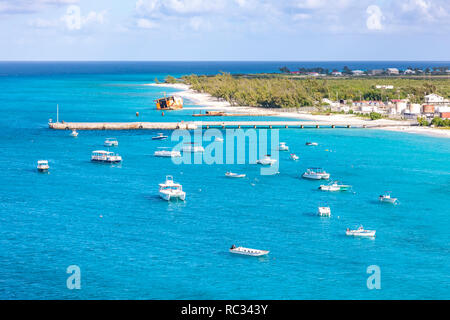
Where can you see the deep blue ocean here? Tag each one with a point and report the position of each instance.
(130, 244)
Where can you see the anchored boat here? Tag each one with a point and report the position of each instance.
(248, 251)
(360, 232)
(335, 186)
(266, 160)
(160, 136)
(111, 142)
(192, 147)
(283, 147)
(234, 175)
(294, 157)
(316, 174)
(324, 211)
(161, 152)
(74, 133)
(387, 198)
(105, 156)
(42, 166)
(311, 143)
(170, 190)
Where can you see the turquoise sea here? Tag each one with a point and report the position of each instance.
(130, 244)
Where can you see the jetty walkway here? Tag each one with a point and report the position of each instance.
(214, 124)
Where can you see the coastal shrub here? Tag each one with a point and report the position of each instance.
(422, 121)
(375, 116)
(170, 79)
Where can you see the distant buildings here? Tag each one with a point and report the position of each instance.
(336, 73)
(357, 72)
(383, 86)
(392, 71)
(375, 72)
(435, 99)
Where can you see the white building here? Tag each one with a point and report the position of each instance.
(409, 71)
(336, 73)
(357, 72)
(382, 86)
(392, 71)
(435, 99)
(415, 108)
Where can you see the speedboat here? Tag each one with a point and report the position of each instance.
(111, 142)
(324, 211)
(360, 232)
(335, 186)
(160, 136)
(248, 251)
(387, 198)
(166, 153)
(311, 143)
(316, 174)
(234, 175)
(42, 166)
(283, 147)
(192, 147)
(74, 133)
(170, 190)
(266, 160)
(105, 156)
(294, 156)
(218, 139)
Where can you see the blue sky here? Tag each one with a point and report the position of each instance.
(225, 30)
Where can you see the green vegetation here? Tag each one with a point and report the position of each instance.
(439, 122)
(290, 91)
(170, 79)
(375, 115)
(423, 122)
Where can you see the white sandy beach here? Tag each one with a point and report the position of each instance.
(206, 101)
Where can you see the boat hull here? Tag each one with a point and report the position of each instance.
(257, 253)
(361, 234)
(172, 196)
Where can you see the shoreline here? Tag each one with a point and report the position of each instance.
(207, 102)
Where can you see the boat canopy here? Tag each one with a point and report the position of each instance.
(103, 152)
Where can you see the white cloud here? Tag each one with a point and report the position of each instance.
(373, 22)
(146, 24)
(74, 20)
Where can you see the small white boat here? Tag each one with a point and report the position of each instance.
(42, 166)
(74, 133)
(248, 251)
(111, 142)
(105, 156)
(311, 143)
(335, 186)
(387, 198)
(316, 174)
(218, 139)
(170, 190)
(161, 152)
(266, 160)
(294, 156)
(234, 175)
(360, 232)
(324, 211)
(160, 136)
(283, 147)
(192, 147)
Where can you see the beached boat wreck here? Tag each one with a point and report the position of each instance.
(169, 103)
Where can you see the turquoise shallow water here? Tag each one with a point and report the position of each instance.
(145, 248)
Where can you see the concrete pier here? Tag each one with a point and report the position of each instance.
(211, 124)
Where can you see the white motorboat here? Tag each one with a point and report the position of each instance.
(360, 232)
(266, 160)
(335, 186)
(294, 157)
(234, 175)
(192, 147)
(160, 136)
(111, 142)
(170, 190)
(311, 143)
(42, 166)
(387, 198)
(74, 133)
(283, 147)
(218, 139)
(161, 152)
(324, 211)
(248, 251)
(105, 156)
(316, 174)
